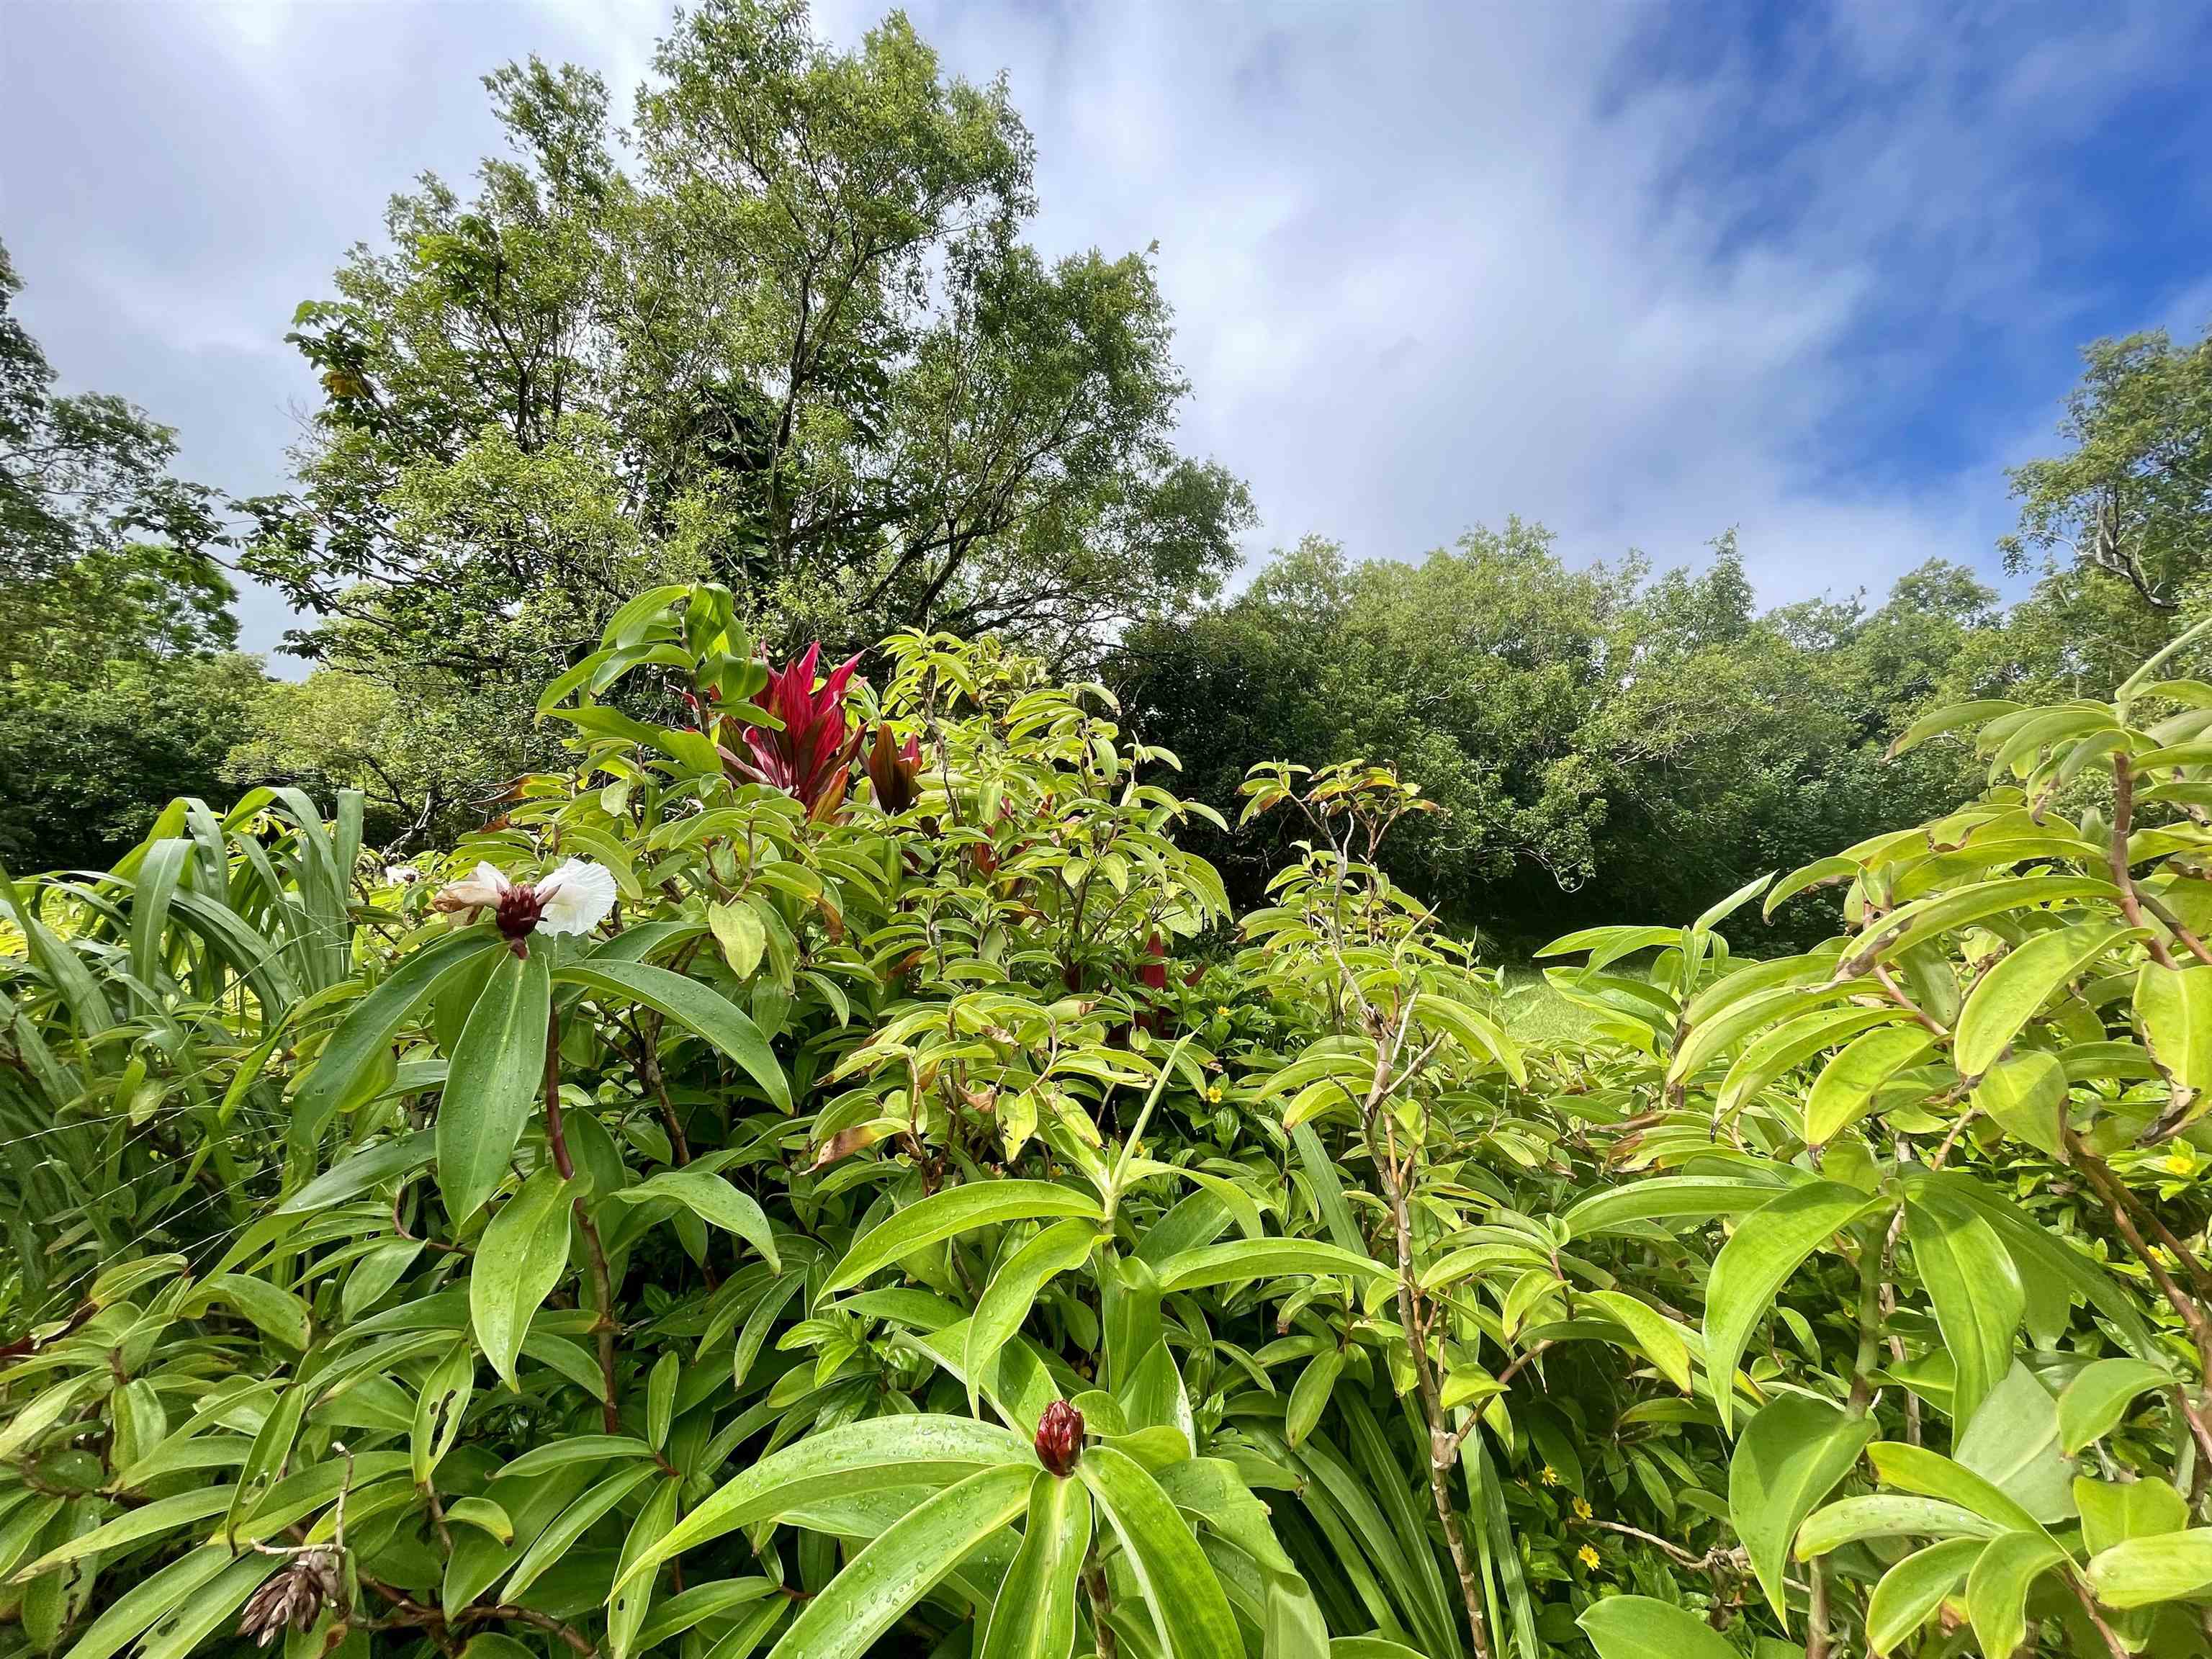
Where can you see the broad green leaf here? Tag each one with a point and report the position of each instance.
(1888, 1515)
(439, 1408)
(1033, 1616)
(2113, 1511)
(711, 1198)
(1641, 1627)
(2091, 1406)
(1006, 1300)
(153, 1598)
(738, 930)
(1931, 1474)
(362, 1171)
(1261, 1258)
(1976, 1290)
(1652, 1330)
(276, 1313)
(1847, 1084)
(524, 1252)
(1791, 1455)
(1996, 1588)
(2007, 996)
(2174, 1007)
(859, 1457)
(954, 1211)
(1790, 1044)
(1309, 1394)
(904, 1563)
(130, 1526)
(2012, 1441)
(363, 1039)
(1753, 1266)
(1912, 1590)
(2161, 1568)
(1666, 1198)
(625, 1607)
(699, 1009)
(2025, 1097)
(1473, 1031)
(497, 1069)
(1180, 1592)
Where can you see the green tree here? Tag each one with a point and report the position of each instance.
(117, 689)
(801, 348)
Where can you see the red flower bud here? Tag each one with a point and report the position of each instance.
(893, 769)
(1059, 1438)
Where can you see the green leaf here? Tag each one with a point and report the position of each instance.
(1912, 1590)
(1261, 1258)
(439, 1408)
(699, 1009)
(572, 1523)
(280, 1316)
(1931, 1474)
(1666, 1198)
(1790, 1457)
(1475, 1031)
(1006, 1300)
(1652, 1330)
(2174, 1007)
(1185, 1598)
(132, 1527)
(2012, 1441)
(713, 1200)
(1888, 1515)
(2025, 1097)
(148, 1601)
(956, 1210)
(1033, 1616)
(904, 1563)
(859, 1457)
(1996, 1588)
(2007, 996)
(2162, 1568)
(625, 1607)
(524, 1252)
(739, 931)
(1753, 1266)
(1976, 1290)
(2091, 1406)
(1309, 1395)
(2113, 1511)
(364, 1037)
(1640, 1627)
(1847, 1084)
(363, 1171)
(497, 1068)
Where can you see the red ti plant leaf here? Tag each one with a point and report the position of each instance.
(894, 770)
(812, 758)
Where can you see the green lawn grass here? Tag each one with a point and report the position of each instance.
(1534, 1012)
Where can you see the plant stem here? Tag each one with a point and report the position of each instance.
(2123, 808)
(1444, 1444)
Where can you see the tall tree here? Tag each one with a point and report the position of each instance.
(802, 349)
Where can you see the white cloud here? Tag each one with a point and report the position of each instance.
(1603, 265)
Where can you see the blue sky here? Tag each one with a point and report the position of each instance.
(1640, 272)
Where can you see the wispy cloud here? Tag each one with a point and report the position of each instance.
(1641, 272)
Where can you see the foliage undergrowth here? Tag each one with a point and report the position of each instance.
(898, 1227)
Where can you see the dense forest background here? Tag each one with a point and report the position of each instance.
(782, 328)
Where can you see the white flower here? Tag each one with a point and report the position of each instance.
(576, 897)
(481, 891)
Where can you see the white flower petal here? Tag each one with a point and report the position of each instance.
(577, 897)
(480, 890)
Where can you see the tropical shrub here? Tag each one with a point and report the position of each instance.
(827, 1173)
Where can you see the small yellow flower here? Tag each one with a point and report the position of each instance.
(1213, 1092)
(1582, 1508)
(1588, 1557)
(1222, 1010)
(2180, 1162)
(1550, 1476)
